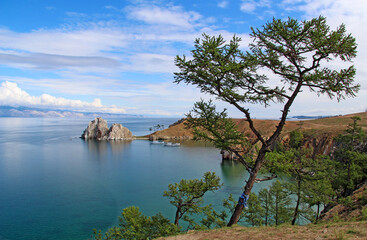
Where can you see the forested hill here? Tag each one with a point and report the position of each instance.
(330, 126)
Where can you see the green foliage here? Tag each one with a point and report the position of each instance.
(253, 215)
(347, 202)
(230, 204)
(265, 201)
(134, 225)
(213, 219)
(363, 198)
(254, 212)
(364, 213)
(208, 124)
(187, 195)
(350, 156)
(280, 202)
(296, 139)
(311, 175)
(296, 51)
(284, 47)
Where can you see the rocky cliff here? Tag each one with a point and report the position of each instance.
(98, 129)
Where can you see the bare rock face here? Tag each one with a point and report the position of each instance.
(98, 129)
(117, 132)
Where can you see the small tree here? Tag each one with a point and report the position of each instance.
(308, 171)
(294, 51)
(134, 225)
(280, 202)
(350, 155)
(254, 213)
(187, 195)
(319, 191)
(213, 219)
(265, 202)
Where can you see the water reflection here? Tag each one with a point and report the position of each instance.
(117, 147)
(191, 143)
(101, 149)
(233, 172)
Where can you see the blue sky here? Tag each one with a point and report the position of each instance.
(118, 56)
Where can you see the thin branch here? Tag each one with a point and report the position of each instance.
(248, 117)
(242, 160)
(285, 113)
(257, 180)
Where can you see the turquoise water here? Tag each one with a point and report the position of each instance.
(54, 185)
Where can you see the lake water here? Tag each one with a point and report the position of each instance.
(54, 185)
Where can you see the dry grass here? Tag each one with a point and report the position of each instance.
(330, 125)
(341, 230)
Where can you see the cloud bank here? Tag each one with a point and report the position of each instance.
(12, 95)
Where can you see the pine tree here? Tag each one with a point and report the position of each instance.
(350, 156)
(187, 195)
(254, 213)
(296, 51)
(280, 203)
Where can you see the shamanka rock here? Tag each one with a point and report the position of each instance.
(117, 131)
(98, 129)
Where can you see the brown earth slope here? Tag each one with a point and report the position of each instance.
(331, 126)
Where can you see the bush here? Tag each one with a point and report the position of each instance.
(134, 225)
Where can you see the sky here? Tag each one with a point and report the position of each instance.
(117, 56)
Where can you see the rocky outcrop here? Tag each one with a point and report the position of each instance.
(117, 131)
(98, 129)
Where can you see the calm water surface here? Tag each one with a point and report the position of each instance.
(54, 185)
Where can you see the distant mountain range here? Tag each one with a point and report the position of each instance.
(8, 111)
(310, 117)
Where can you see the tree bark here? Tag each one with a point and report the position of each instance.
(264, 148)
(177, 215)
(250, 183)
(317, 213)
(298, 201)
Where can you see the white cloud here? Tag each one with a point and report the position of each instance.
(223, 4)
(89, 41)
(249, 6)
(175, 16)
(12, 95)
(52, 61)
(151, 63)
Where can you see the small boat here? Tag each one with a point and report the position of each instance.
(157, 142)
(169, 144)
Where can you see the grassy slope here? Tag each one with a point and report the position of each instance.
(338, 230)
(331, 125)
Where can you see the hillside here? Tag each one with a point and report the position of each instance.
(338, 223)
(330, 126)
(338, 230)
(354, 209)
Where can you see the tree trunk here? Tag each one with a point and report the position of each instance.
(250, 183)
(276, 209)
(317, 213)
(298, 201)
(177, 215)
(264, 148)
